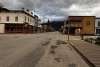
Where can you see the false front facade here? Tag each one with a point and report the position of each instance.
(16, 21)
(82, 25)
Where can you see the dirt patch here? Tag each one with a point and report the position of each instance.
(59, 42)
(46, 43)
(58, 59)
(72, 65)
(54, 46)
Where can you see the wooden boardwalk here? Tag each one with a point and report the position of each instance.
(89, 52)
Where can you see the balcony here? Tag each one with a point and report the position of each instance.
(75, 25)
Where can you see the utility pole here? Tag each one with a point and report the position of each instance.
(68, 29)
(64, 29)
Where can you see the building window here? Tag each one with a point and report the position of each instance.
(16, 18)
(28, 19)
(25, 18)
(7, 18)
(97, 31)
(98, 23)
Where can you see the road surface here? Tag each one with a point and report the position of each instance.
(34, 50)
(21, 50)
(62, 55)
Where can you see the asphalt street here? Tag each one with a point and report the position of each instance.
(33, 50)
(21, 50)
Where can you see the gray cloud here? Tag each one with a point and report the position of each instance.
(59, 8)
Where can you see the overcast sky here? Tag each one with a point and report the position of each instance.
(56, 8)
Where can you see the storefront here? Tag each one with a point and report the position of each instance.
(18, 28)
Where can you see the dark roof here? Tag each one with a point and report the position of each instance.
(81, 16)
(3, 9)
(77, 18)
(14, 11)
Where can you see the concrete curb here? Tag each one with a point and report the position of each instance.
(82, 55)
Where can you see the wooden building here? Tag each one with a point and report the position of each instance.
(81, 25)
(16, 21)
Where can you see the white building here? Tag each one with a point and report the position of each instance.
(16, 21)
(97, 25)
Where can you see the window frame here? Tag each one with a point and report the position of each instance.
(98, 23)
(16, 19)
(7, 18)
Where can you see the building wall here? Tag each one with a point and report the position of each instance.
(97, 27)
(11, 17)
(2, 28)
(75, 21)
(96, 22)
(22, 18)
(82, 24)
(29, 19)
(88, 25)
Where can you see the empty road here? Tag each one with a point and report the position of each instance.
(21, 50)
(35, 50)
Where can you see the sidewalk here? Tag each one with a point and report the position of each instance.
(90, 52)
(60, 55)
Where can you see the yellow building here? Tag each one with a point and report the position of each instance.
(82, 25)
